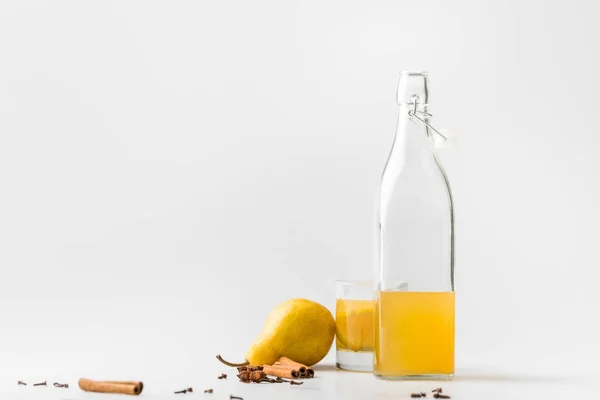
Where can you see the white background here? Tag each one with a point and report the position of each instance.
(171, 171)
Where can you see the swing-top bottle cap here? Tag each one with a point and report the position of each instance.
(412, 84)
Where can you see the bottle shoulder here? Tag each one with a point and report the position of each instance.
(423, 184)
(399, 169)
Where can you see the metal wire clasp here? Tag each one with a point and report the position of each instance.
(414, 111)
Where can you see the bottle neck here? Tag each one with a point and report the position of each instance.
(412, 140)
(412, 137)
(411, 152)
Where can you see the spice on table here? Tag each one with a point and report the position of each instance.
(438, 395)
(232, 397)
(252, 376)
(284, 368)
(61, 385)
(438, 390)
(415, 395)
(283, 371)
(124, 387)
(423, 394)
(21, 383)
(250, 368)
(208, 391)
(181, 391)
(302, 369)
(286, 361)
(40, 384)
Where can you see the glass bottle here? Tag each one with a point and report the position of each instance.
(414, 282)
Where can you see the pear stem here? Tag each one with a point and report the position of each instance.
(230, 364)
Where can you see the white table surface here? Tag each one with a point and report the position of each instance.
(329, 383)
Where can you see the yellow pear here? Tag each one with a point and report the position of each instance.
(299, 329)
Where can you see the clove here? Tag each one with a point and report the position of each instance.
(223, 376)
(232, 397)
(181, 391)
(415, 395)
(21, 383)
(279, 380)
(296, 383)
(61, 385)
(40, 384)
(208, 391)
(423, 394)
(438, 390)
(440, 396)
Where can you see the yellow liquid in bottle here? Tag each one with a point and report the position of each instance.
(354, 325)
(414, 334)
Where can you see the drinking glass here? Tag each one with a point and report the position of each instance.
(354, 324)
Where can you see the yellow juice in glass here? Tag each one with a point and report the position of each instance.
(414, 334)
(354, 325)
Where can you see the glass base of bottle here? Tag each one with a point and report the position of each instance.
(357, 361)
(423, 377)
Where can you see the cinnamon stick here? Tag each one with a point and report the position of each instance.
(287, 361)
(124, 387)
(137, 383)
(303, 369)
(282, 371)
